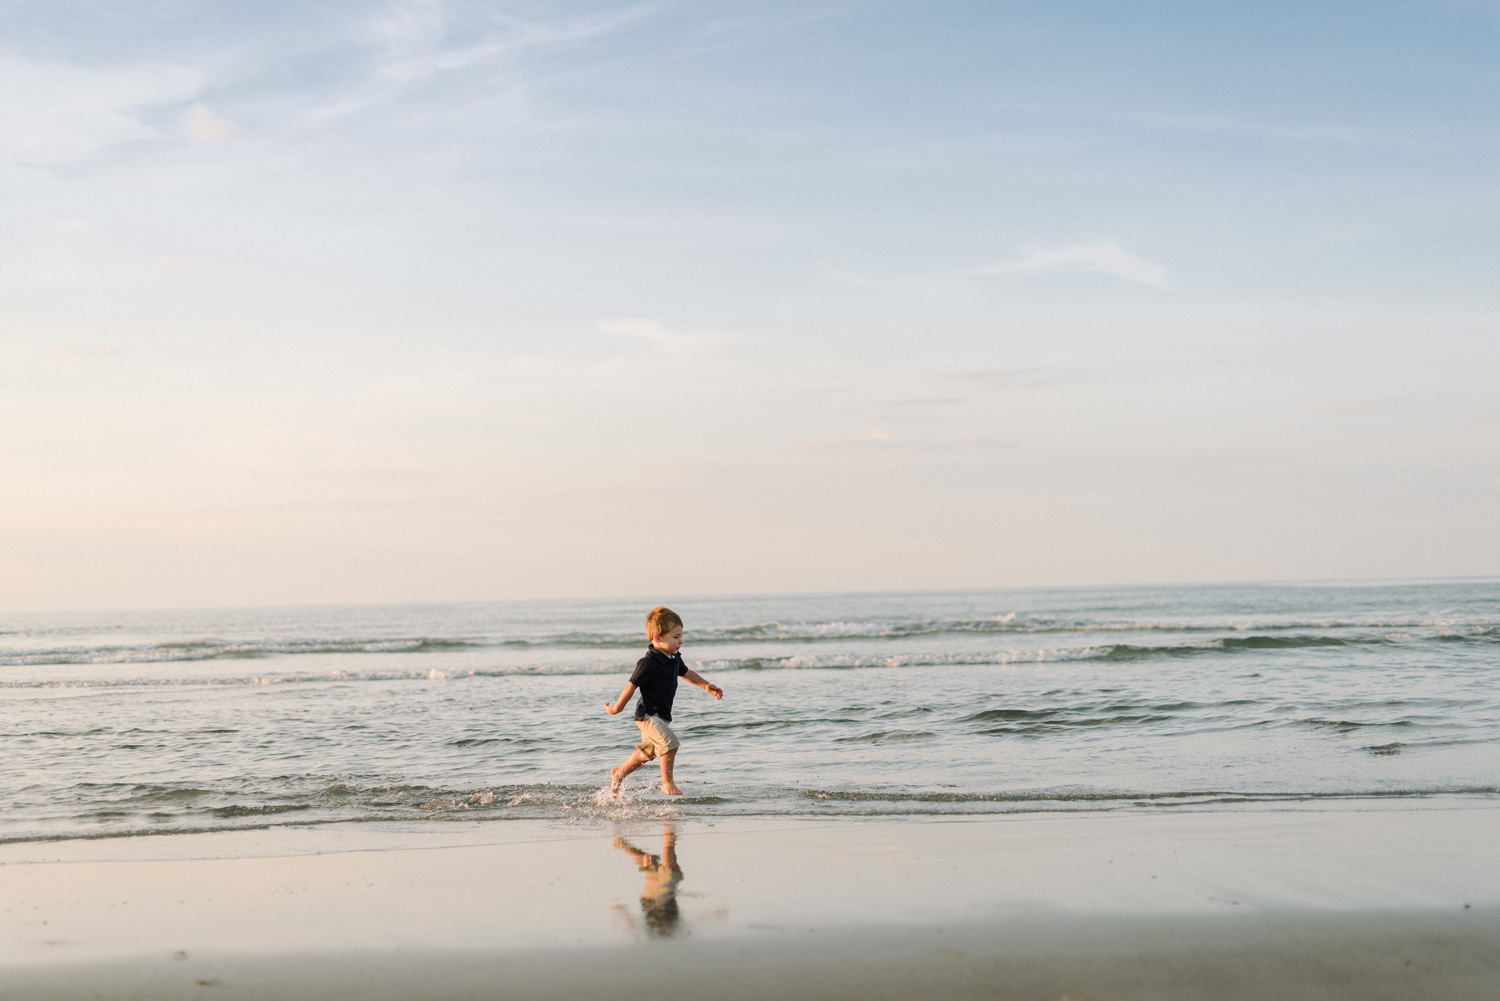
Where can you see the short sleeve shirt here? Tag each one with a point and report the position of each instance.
(656, 676)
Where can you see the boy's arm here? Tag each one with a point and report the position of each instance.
(614, 707)
(694, 678)
(641, 858)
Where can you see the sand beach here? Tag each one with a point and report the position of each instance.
(1367, 901)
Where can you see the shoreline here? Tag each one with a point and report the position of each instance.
(1262, 904)
(637, 805)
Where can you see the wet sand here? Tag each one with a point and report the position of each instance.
(1358, 903)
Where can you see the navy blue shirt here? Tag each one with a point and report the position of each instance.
(656, 676)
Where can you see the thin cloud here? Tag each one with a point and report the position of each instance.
(55, 113)
(412, 44)
(921, 402)
(1086, 258)
(877, 439)
(413, 37)
(202, 126)
(999, 378)
(1214, 124)
(1365, 406)
(88, 351)
(664, 339)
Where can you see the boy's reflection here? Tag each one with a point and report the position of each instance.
(659, 895)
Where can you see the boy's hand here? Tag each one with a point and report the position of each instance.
(618, 704)
(715, 691)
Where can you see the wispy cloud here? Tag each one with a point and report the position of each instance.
(664, 339)
(1366, 406)
(877, 439)
(1219, 124)
(53, 113)
(202, 126)
(408, 46)
(874, 436)
(415, 36)
(1087, 258)
(1000, 378)
(88, 351)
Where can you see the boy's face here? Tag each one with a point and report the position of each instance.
(669, 642)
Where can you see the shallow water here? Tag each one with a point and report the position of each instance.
(1037, 700)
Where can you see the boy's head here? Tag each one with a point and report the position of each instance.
(664, 628)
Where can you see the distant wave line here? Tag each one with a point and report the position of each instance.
(1225, 645)
(769, 633)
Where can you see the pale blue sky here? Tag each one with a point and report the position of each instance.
(428, 301)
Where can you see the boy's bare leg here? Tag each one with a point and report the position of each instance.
(617, 775)
(669, 846)
(667, 785)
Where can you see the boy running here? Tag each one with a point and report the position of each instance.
(656, 676)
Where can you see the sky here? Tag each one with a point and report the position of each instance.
(436, 301)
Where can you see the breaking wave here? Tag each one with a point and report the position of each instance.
(840, 660)
(1261, 636)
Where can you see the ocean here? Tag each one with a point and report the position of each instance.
(1209, 697)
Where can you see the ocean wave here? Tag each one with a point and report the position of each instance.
(266, 679)
(1126, 797)
(835, 660)
(1234, 644)
(1062, 719)
(1256, 635)
(104, 811)
(110, 810)
(1350, 725)
(886, 737)
(1008, 623)
(209, 649)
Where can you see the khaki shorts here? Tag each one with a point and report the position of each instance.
(656, 737)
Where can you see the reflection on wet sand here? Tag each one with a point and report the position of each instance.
(659, 895)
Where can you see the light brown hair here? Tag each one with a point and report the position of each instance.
(661, 620)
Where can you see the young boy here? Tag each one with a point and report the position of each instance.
(656, 676)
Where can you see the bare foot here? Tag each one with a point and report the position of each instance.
(615, 778)
(670, 789)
